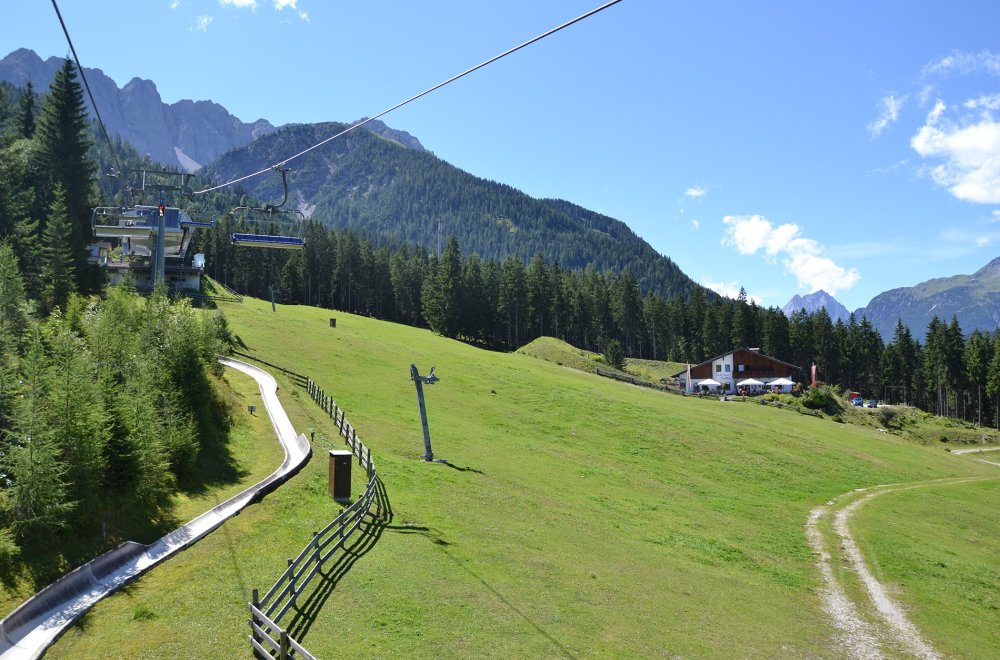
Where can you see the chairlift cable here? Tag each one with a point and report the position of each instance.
(86, 84)
(412, 98)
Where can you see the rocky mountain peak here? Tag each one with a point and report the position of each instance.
(186, 133)
(989, 271)
(816, 300)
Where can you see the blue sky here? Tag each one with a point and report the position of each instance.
(778, 146)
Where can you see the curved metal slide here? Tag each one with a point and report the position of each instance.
(37, 623)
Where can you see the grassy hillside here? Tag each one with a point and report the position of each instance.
(578, 516)
(561, 353)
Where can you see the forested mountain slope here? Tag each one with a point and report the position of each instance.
(375, 185)
(973, 299)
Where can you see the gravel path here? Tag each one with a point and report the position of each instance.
(974, 450)
(854, 635)
(860, 638)
(892, 614)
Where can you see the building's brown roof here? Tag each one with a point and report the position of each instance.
(737, 350)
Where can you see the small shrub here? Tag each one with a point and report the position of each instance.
(143, 612)
(886, 417)
(822, 398)
(614, 354)
(9, 550)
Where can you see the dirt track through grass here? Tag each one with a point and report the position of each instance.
(859, 637)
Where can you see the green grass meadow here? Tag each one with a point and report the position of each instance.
(577, 515)
(943, 564)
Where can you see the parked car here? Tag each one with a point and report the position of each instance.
(858, 401)
(872, 403)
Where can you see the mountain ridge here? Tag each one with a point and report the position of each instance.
(185, 133)
(973, 299)
(376, 185)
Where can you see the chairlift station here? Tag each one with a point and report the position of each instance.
(154, 239)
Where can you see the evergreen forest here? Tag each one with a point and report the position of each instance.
(107, 401)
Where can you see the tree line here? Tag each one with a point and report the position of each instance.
(503, 304)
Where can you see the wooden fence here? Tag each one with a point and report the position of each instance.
(633, 380)
(267, 637)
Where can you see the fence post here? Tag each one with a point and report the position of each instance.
(291, 580)
(315, 547)
(283, 641)
(255, 599)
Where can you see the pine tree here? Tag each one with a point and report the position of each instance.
(62, 143)
(993, 380)
(37, 497)
(978, 355)
(13, 323)
(742, 322)
(58, 264)
(26, 111)
(75, 415)
(443, 293)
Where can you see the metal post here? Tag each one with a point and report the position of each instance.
(419, 381)
(160, 271)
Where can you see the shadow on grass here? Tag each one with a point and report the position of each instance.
(464, 469)
(369, 531)
(563, 649)
(215, 465)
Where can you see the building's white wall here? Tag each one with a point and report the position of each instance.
(722, 370)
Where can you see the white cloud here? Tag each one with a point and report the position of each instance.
(996, 216)
(925, 94)
(888, 169)
(201, 23)
(963, 63)
(291, 4)
(696, 224)
(240, 4)
(175, 4)
(983, 241)
(730, 290)
(889, 107)
(695, 192)
(968, 146)
(802, 257)
(991, 102)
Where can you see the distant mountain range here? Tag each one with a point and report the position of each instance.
(186, 133)
(973, 299)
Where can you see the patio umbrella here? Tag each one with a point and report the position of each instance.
(782, 382)
(749, 381)
(709, 382)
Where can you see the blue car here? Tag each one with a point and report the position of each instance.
(858, 401)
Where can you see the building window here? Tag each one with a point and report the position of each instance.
(728, 368)
(741, 368)
(718, 368)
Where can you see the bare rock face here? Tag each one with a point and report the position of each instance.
(186, 133)
(816, 300)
